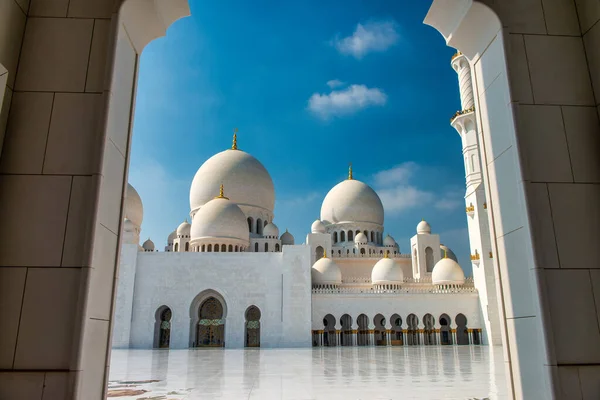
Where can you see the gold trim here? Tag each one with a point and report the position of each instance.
(234, 145)
(456, 55)
(461, 112)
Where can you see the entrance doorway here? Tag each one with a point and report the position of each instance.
(210, 331)
(252, 327)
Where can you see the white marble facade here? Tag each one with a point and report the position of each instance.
(348, 279)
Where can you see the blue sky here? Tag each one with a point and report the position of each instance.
(312, 86)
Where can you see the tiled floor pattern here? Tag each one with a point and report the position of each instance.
(432, 372)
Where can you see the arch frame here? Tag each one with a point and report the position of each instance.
(194, 310)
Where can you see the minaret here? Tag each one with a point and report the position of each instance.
(476, 207)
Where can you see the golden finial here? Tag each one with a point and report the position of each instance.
(325, 253)
(234, 146)
(350, 172)
(445, 253)
(386, 254)
(221, 194)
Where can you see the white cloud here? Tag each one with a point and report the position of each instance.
(398, 193)
(368, 38)
(334, 83)
(347, 101)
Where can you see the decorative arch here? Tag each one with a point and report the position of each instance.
(445, 331)
(428, 331)
(319, 252)
(259, 226)
(362, 337)
(329, 332)
(342, 236)
(412, 333)
(176, 246)
(380, 331)
(187, 246)
(252, 327)
(397, 337)
(162, 327)
(462, 332)
(346, 334)
(218, 329)
(429, 259)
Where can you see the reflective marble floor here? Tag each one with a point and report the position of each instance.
(427, 372)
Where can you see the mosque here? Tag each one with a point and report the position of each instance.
(231, 279)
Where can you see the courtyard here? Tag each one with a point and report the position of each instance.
(420, 372)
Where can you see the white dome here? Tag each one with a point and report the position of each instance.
(172, 237)
(220, 218)
(389, 241)
(360, 238)
(387, 271)
(148, 245)
(352, 201)
(326, 272)
(184, 229)
(318, 227)
(134, 210)
(245, 178)
(446, 252)
(287, 238)
(423, 227)
(271, 230)
(128, 226)
(447, 272)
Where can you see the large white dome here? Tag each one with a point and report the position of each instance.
(220, 218)
(387, 271)
(134, 211)
(352, 201)
(246, 179)
(326, 272)
(447, 272)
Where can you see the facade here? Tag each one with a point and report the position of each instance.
(229, 279)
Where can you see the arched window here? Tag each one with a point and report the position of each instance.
(176, 246)
(216, 248)
(319, 252)
(335, 237)
(203, 248)
(362, 251)
(223, 248)
(250, 224)
(252, 327)
(266, 247)
(230, 248)
(237, 248)
(187, 247)
(367, 234)
(209, 247)
(162, 334)
(429, 259)
(350, 236)
(256, 247)
(265, 223)
(462, 333)
(259, 226)
(342, 236)
(277, 247)
(372, 236)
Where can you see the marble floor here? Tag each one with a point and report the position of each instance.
(426, 372)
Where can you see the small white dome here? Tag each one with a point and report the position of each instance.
(128, 226)
(148, 245)
(423, 227)
(387, 271)
(318, 227)
(184, 229)
(271, 230)
(220, 218)
(172, 236)
(447, 272)
(360, 238)
(287, 239)
(326, 272)
(389, 241)
(134, 210)
(446, 252)
(352, 201)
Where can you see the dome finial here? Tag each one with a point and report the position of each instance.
(324, 253)
(350, 172)
(221, 193)
(386, 254)
(445, 253)
(234, 146)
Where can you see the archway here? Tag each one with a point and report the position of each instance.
(412, 333)
(429, 259)
(445, 332)
(397, 339)
(362, 338)
(319, 252)
(329, 334)
(210, 331)
(462, 333)
(162, 327)
(428, 331)
(380, 331)
(346, 335)
(252, 337)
